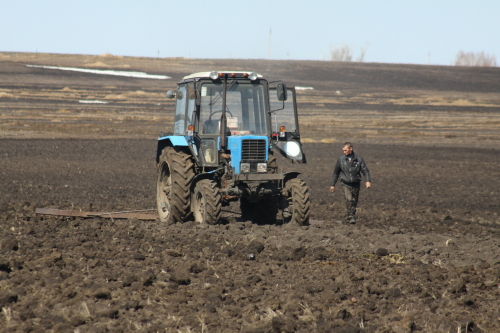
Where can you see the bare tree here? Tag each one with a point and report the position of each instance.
(478, 59)
(345, 53)
(362, 53)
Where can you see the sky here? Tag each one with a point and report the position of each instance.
(389, 31)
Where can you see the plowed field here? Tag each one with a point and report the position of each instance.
(423, 257)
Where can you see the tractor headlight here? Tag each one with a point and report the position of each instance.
(262, 167)
(245, 167)
(253, 76)
(292, 148)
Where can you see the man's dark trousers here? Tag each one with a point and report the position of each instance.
(351, 195)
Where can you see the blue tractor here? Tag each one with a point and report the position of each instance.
(227, 127)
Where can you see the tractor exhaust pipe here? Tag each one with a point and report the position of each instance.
(223, 119)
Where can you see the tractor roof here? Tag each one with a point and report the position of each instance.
(207, 74)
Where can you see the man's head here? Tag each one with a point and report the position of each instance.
(347, 148)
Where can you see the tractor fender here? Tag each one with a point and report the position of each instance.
(169, 141)
(200, 176)
(290, 175)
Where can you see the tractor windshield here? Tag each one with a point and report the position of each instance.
(245, 108)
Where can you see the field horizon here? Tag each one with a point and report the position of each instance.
(361, 102)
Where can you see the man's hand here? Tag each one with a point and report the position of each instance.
(368, 184)
(332, 189)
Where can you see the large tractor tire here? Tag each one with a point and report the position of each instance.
(206, 203)
(298, 205)
(175, 175)
(262, 212)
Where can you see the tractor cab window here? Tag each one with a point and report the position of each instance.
(245, 108)
(180, 111)
(284, 116)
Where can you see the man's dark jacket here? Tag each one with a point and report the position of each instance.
(350, 172)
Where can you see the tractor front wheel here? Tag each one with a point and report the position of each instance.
(206, 202)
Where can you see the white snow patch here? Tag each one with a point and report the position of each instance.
(304, 88)
(140, 75)
(93, 102)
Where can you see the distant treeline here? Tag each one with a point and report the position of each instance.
(478, 59)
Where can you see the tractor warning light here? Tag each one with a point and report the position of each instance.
(214, 75)
(282, 131)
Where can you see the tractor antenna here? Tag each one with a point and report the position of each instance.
(223, 120)
(270, 40)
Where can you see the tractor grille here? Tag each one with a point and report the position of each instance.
(253, 150)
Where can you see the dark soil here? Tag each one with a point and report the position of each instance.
(423, 257)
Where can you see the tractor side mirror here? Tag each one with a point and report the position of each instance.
(281, 92)
(175, 93)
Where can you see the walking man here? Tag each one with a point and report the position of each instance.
(349, 168)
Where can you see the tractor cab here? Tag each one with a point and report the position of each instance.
(213, 108)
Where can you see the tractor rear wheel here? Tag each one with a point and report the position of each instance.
(175, 174)
(246, 208)
(206, 202)
(265, 211)
(298, 206)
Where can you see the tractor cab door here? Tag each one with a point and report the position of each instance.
(285, 125)
(180, 111)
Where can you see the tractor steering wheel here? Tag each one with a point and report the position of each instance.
(210, 118)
